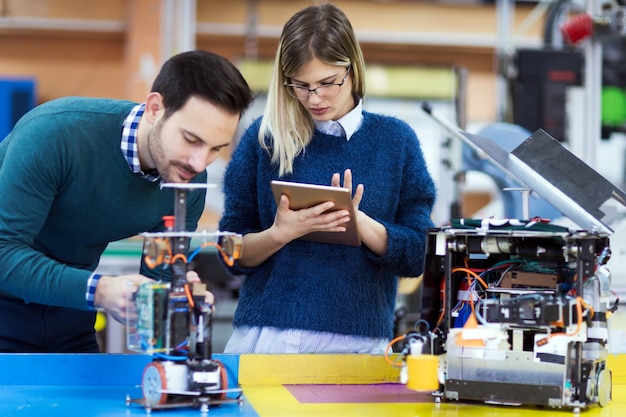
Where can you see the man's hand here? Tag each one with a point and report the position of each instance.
(116, 295)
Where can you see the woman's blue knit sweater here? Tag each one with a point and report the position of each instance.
(326, 287)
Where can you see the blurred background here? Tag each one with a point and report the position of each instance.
(499, 68)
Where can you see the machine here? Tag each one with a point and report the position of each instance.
(171, 320)
(517, 313)
(516, 310)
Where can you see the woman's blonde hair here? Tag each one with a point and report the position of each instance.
(323, 32)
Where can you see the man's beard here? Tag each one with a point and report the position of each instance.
(155, 149)
(163, 165)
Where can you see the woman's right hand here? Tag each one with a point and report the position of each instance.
(292, 224)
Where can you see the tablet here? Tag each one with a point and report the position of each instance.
(308, 195)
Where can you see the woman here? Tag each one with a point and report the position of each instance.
(301, 296)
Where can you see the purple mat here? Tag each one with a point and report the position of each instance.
(341, 394)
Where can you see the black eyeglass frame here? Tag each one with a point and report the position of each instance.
(292, 92)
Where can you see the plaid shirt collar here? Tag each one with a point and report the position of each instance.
(129, 143)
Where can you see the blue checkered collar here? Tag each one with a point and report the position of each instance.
(129, 143)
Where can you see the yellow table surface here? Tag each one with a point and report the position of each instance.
(263, 379)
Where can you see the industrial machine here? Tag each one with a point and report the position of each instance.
(171, 320)
(516, 310)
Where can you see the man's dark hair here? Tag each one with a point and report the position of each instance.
(204, 75)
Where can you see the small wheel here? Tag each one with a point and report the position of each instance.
(153, 384)
(604, 385)
(223, 379)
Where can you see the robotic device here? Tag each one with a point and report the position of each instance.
(516, 310)
(172, 321)
(518, 314)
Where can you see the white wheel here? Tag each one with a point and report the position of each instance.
(604, 384)
(154, 382)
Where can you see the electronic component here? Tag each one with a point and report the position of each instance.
(150, 331)
(172, 320)
(534, 329)
(536, 333)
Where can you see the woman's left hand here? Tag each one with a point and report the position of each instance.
(347, 183)
(373, 234)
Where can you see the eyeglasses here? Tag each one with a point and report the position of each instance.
(329, 90)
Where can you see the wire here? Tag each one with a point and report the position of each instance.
(229, 260)
(473, 274)
(189, 297)
(422, 322)
(182, 344)
(470, 274)
(579, 313)
(442, 314)
(579, 324)
(170, 357)
(589, 308)
(389, 361)
(194, 253)
(178, 256)
(165, 257)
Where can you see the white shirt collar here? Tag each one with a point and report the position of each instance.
(347, 125)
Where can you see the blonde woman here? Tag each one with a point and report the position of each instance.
(300, 296)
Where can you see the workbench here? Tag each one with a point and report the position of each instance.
(49, 385)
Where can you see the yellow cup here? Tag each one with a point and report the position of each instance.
(423, 371)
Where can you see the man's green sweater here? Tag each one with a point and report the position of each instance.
(66, 191)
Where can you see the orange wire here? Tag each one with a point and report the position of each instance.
(579, 312)
(149, 262)
(579, 322)
(472, 273)
(443, 303)
(589, 308)
(182, 257)
(389, 361)
(469, 286)
(227, 259)
(189, 297)
(171, 259)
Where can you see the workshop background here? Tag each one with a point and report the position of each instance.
(499, 68)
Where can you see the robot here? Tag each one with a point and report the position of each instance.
(518, 314)
(516, 310)
(172, 320)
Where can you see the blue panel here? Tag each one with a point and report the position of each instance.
(17, 96)
(73, 369)
(64, 385)
(95, 400)
(113, 369)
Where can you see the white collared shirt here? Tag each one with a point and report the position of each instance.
(347, 125)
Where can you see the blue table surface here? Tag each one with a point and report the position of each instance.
(46, 385)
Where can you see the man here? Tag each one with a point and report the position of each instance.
(79, 173)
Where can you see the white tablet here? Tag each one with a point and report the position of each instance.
(308, 195)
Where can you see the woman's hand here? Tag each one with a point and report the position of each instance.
(347, 183)
(372, 233)
(292, 224)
